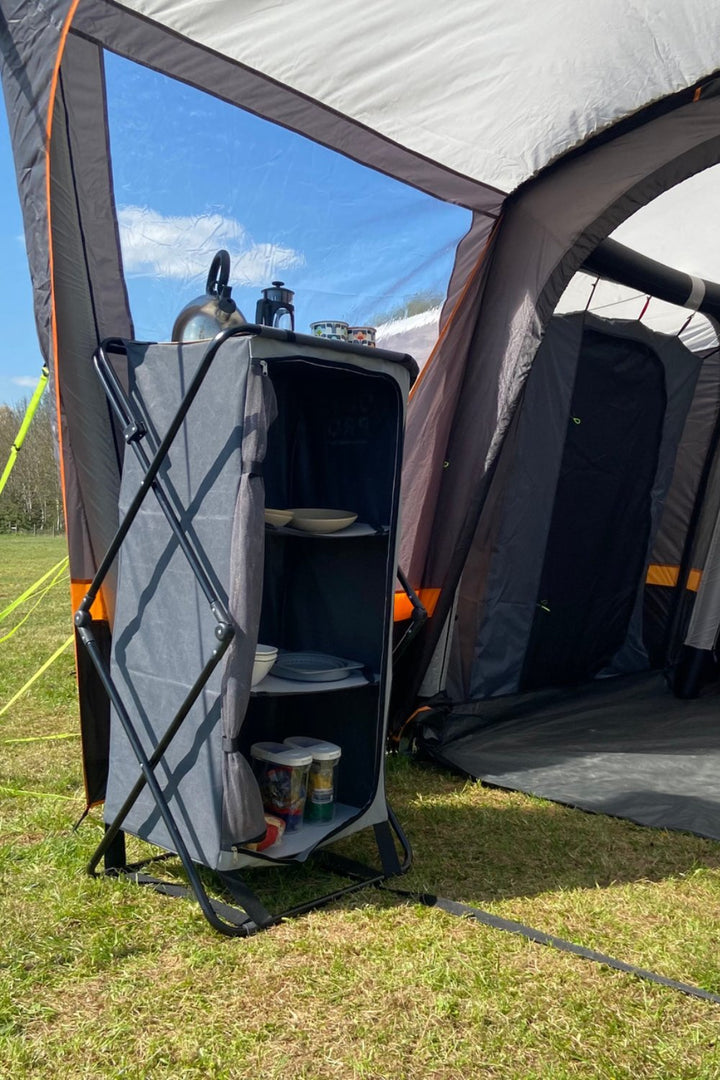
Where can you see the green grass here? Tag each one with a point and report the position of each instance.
(99, 978)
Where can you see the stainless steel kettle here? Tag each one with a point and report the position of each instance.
(207, 315)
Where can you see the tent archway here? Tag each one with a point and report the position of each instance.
(549, 228)
(547, 168)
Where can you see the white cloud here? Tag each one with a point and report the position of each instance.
(183, 247)
(24, 380)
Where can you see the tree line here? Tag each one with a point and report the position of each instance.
(31, 500)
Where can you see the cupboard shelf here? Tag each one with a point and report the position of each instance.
(355, 530)
(309, 835)
(272, 686)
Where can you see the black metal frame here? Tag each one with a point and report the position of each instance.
(227, 920)
(417, 619)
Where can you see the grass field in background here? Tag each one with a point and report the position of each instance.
(99, 978)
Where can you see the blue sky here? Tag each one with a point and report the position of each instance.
(20, 359)
(193, 174)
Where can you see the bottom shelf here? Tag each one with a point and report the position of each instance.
(309, 834)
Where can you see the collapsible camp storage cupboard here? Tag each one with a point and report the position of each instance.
(268, 418)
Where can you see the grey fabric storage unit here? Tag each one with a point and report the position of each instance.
(279, 420)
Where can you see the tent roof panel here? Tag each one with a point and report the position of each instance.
(491, 92)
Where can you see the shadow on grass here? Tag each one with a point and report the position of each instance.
(471, 840)
(478, 845)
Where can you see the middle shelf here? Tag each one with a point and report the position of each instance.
(359, 528)
(274, 685)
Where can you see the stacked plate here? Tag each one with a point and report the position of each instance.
(314, 667)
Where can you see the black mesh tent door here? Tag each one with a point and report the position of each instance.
(582, 483)
(597, 542)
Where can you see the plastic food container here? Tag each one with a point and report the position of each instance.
(322, 779)
(282, 773)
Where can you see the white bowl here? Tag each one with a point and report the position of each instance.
(278, 518)
(265, 657)
(315, 520)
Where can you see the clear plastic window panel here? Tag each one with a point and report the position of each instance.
(193, 174)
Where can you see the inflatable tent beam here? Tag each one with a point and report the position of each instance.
(627, 267)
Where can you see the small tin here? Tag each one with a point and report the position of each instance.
(333, 329)
(362, 335)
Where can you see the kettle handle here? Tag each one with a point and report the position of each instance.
(218, 274)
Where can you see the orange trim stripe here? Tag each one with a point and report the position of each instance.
(98, 610)
(403, 605)
(662, 575)
(395, 739)
(53, 317)
(51, 270)
(693, 581)
(458, 302)
(667, 576)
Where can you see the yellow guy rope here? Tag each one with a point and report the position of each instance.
(20, 437)
(36, 794)
(41, 738)
(33, 588)
(38, 673)
(58, 577)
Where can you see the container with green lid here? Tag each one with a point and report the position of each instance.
(322, 778)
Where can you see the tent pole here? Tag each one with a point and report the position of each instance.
(627, 267)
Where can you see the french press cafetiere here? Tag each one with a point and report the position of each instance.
(276, 307)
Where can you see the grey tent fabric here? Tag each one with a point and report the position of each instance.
(89, 296)
(149, 41)
(547, 230)
(681, 369)
(705, 621)
(243, 817)
(623, 746)
(501, 601)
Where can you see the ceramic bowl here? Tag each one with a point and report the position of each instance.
(315, 520)
(278, 518)
(265, 657)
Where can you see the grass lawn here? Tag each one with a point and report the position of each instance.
(99, 978)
